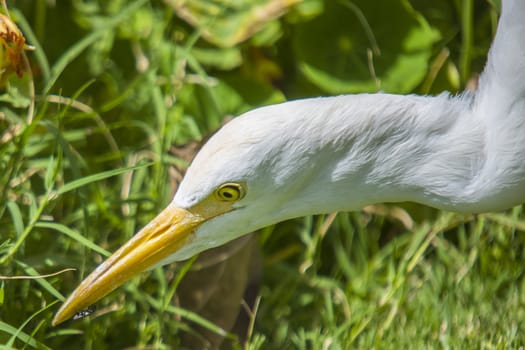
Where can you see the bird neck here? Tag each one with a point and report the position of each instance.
(455, 153)
(386, 148)
(502, 83)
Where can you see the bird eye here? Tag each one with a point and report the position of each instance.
(229, 192)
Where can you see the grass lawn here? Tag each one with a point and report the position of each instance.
(115, 99)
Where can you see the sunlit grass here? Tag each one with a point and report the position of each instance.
(454, 282)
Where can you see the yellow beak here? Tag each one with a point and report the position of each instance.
(163, 236)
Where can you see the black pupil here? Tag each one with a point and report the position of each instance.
(227, 194)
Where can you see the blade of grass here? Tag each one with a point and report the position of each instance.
(16, 216)
(4, 327)
(27, 339)
(168, 297)
(74, 235)
(44, 283)
(467, 36)
(189, 315)
(21, 238)
(50, 195)
(97, 177)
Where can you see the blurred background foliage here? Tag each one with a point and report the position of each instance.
(87, 158)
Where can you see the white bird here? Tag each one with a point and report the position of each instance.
(462, 153)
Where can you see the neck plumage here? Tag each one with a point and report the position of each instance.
(463, 153)
(371, 148)
(502, 84)
(385, 148)
(422, 149)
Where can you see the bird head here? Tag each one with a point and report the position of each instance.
(233, 186)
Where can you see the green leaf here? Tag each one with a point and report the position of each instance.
(349, 49)
(224, 59)
(14, 97)
(228, 25)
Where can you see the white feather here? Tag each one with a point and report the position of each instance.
(463, 153)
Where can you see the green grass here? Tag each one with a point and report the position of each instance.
(87, 160)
